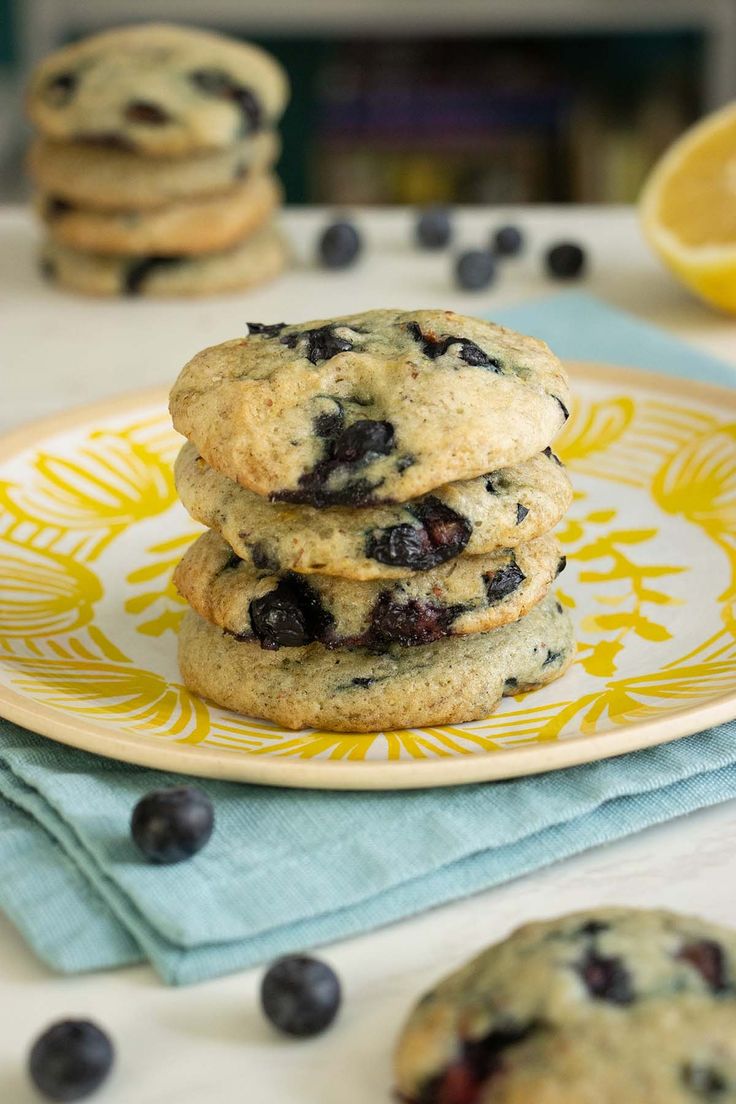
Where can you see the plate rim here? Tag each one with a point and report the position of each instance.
(87, 735)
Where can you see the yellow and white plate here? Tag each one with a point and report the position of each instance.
(90, 530)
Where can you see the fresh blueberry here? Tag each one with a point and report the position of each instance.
(507, 241)
(475, 269)
(565, 261)
(70, 1060)
(339, 245)
(300, 995)
(434, 228)
(171, 825)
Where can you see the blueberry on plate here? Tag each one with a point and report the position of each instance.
(433, 228)
(300, 995)
(171, 825)
(70, 1060)
(339, 245)
(507, 241)
(565, 261)
(475, 269)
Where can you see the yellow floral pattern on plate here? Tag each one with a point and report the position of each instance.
(90, 531)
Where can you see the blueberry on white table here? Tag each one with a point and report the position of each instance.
(507, 241)
(475, 269)
(565, 261)
(433, 228)
(70, 1060)
(339, 245)
(300, 995)
(171, 825)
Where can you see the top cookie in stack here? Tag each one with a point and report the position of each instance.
(380, 491)
(154, 160)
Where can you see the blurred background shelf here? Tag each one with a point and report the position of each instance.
(474, 101)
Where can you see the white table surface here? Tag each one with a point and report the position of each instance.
(209, 1042)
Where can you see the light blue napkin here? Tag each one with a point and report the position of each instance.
(580, 327)
(289, 869)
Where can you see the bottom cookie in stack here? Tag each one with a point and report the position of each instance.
(259, 258)
(460, 678)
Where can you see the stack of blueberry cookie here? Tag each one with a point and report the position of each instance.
(379, 492)
(154, 162)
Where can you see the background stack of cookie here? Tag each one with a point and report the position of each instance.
(379, 493)
(153, 164)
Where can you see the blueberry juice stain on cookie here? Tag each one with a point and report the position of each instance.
(371, 583)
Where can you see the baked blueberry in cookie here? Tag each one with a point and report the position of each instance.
(289, 616)
(468, 351)
(60, 88)
(140, 270)
(441, 535)
(504, 581)
(267, 329)
(320, 343)
(417, 399)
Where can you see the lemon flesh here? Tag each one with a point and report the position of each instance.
(688, 208)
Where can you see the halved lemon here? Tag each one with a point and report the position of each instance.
(688, 208)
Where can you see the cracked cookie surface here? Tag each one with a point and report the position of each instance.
(157, 89)
(597, 1007)
(497, 510)
(470, 595)
(453, 680)
(372, 408)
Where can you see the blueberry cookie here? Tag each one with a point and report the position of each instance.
(470, 595)
(372, 408)
(499, 510)
(258, 259)
(160, 90)
(603, 1007)
(104, 179)
(208, 224)
(453, 680)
